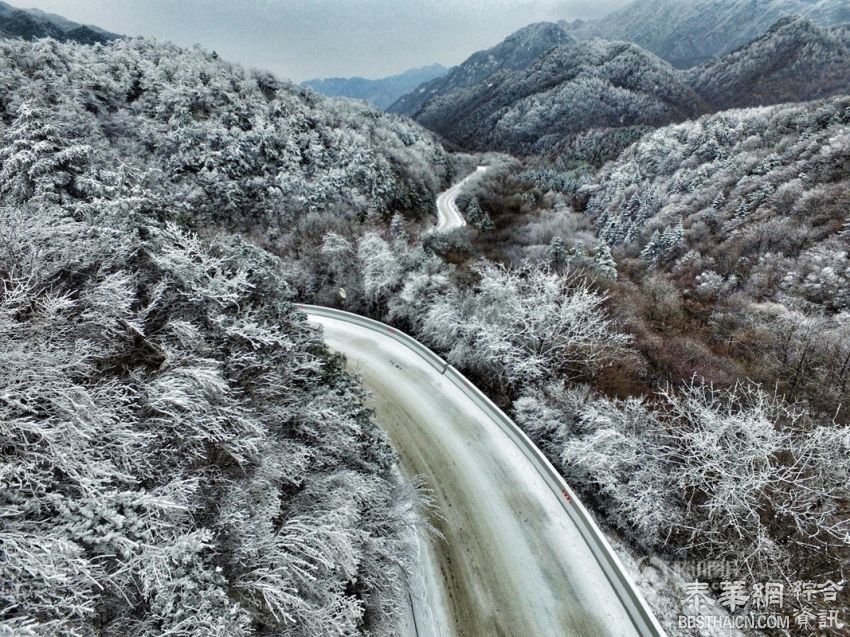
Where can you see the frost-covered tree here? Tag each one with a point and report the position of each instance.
(477, 217)
(604, 262)
(602, 446)
(381, 271)
(662, 243)
(423, 287)
(210, 141)
(734, 474)
(40, 159)
(753, 471)
(148, 379)
(524, 325)
(397, 231)
(474, 213)
(557, 252)
(181, 454)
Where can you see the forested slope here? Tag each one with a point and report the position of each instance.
(181, 455)
(208, 141)
(671, 329)
(592, 99)
(566, 91)
(518, 51)
(794, 61)
(733, 231)
(745, 212)
(690, 32)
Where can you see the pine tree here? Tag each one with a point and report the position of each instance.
(557, 252)
(718, 201)
(672, 238)
(663, 243)
(486, 223)
(652, 250)
(604, 262)
(477, 217)
(397, 231)
(474, 213)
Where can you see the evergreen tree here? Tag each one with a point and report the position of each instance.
(486, 223)
(474, 213)
(604, 262)
(397, 231)
(718, 201)
(652, 250)
(557, 252)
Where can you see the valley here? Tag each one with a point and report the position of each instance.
(511, 347)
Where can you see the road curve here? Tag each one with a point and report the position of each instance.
(516, 558)
(448, 214)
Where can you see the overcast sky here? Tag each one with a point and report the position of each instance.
(302, 39)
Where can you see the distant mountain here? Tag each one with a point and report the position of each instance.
(381, 93)
(689, 32)
(794, 61)
(32, 24)
(592, 99)
(517, 51)
(567, 90)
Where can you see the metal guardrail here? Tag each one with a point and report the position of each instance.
(633, 601)
(411, 343)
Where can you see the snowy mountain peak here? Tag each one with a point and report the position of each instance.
(518, 51)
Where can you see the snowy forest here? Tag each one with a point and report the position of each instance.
(672, 331)
(656, 288)
(181, 454)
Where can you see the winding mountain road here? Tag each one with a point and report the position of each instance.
(517, 555)
(448, 214)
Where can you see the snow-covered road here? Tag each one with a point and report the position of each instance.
(512, 561)
(448, 214)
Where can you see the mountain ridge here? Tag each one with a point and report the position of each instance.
(517, 51)
(617, 87)
(794, 61)
(34, 24)
(690, 32)
(565, 91)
